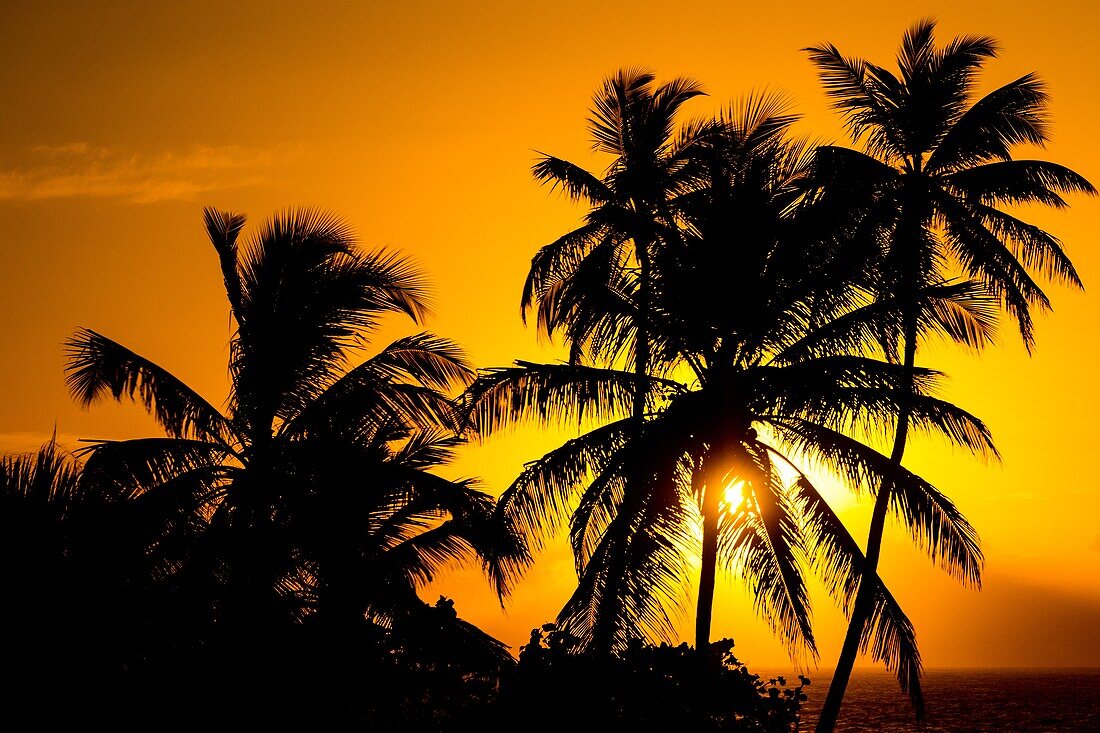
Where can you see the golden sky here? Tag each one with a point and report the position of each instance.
(418, 122)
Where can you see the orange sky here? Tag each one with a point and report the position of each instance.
(418, 123)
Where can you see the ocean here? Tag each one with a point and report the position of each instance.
(968, 701)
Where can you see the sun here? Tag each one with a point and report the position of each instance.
(734, 495)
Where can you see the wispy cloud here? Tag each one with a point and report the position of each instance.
(80, 169)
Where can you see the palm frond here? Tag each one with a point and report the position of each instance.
(965, 311)
(133, 468)
(1011, 115)
(551, 394)
(766, 543)
(940, 529)
(98, 366)
(666, 101)
(848, 393)
(559, 261)
(364, 403)
(917, 49)
(431, 361)
(636, 574)
(984, 256)
(933, 520)
(48, 479)
(472, 518)
(223, 228)
(1036, 249)
(615, 109)
(599, 503)
(838, 561)
(860, 95)
(540, 498)
(893, 641)
(1019, 182)
(308, 295)
(421, 557)
(577, 183)
(429, 447)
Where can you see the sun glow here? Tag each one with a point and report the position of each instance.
(733, 496)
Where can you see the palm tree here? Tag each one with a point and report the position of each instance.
(595, 284)
(721, 292)
(936, 166)
(312, 494)
(741, 304)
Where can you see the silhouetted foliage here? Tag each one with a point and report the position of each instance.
(299, 524)
(645, 687)
(427, 671)
(65, 579)
(84, 615)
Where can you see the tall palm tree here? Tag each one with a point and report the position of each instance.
(595, 284)
(729, 283)
(742, 305)
(937, 165)
(312, 494)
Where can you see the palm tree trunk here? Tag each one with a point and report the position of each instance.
(865, 597)
(712, 493)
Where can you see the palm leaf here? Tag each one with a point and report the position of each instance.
(143, 465)
(932, 519)
(1011, 115)
(426, 359)
(542, 495)
(223, 228)
(98, 366)
(551, 394)
(836, 557)
(577, 183)
(764, 539)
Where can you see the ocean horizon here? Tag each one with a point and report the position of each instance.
(966, 700)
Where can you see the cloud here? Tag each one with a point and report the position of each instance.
(54, 151)
(79, 169)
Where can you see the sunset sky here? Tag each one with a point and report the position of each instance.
(418, 122)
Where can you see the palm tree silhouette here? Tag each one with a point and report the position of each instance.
(595, 284)
(936, 167)
(312, 495)
(771, 357)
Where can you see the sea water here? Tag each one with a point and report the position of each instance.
(967, 701)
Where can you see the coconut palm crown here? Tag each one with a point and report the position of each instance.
(312, 494)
